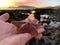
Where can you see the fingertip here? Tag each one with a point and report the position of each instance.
(27, 37)
(4, 17)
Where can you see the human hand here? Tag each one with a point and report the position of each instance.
(7, 34)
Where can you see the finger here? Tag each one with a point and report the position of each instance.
(4, 17)
(21, 39)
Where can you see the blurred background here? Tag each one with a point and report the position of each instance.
(19, 10)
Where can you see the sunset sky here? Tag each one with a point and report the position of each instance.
(36, 3)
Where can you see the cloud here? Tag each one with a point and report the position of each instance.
(16, 3)
(38, 5)
(22, 1)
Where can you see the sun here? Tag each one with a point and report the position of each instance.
(5, 3)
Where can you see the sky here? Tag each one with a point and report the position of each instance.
(36, 3)
(40, 3)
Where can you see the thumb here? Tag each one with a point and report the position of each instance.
(23, 38)
(4, 17)
(19, 39)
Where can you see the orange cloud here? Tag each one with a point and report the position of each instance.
(42, 3)
(21, 2)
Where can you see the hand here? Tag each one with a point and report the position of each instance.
(7, 34)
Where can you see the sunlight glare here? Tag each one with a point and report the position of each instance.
(5, 3)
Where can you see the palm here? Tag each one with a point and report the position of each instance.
(8, 36)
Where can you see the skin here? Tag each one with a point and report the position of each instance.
(8, 35)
